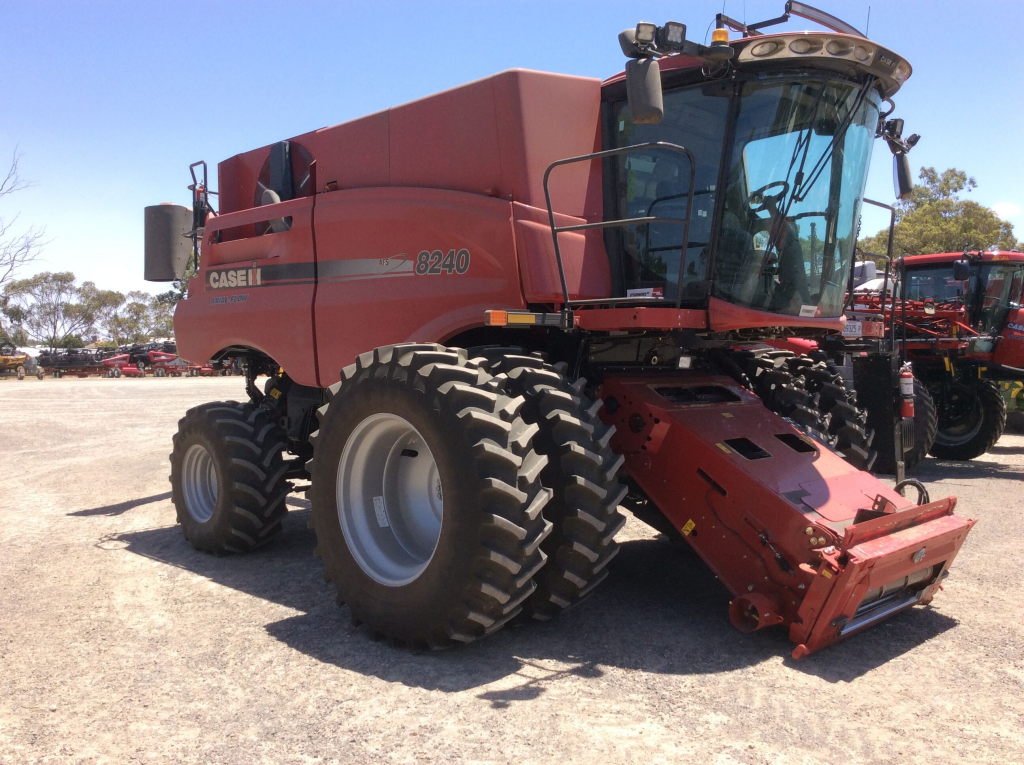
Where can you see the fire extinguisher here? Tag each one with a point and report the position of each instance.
(907, 392)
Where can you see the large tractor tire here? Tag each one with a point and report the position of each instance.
(427, 498)
(972, 417)
(227, 477)
(581, 471)
(882, 418)
(20, 371)
(808, 390)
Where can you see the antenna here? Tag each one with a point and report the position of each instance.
(867, 26)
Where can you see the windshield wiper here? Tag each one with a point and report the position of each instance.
(804, 182)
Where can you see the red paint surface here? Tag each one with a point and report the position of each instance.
(723, 316)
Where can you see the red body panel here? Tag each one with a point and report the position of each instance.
(1010, 349)
(387, 187)
(723, 316)
(248, 277)
(370, 294)
(644, 317)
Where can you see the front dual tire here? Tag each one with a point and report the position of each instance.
(227, 477)
(427, 499)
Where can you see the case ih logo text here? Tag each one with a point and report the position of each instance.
(230, 278)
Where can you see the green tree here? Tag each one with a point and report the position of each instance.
(106, 303)
(133, 324)
(161, 318)
(179, 289)
(936, 219)
(50, 308)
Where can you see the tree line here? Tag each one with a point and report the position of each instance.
(52, 309)
(936, 219)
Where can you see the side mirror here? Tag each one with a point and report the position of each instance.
(902, 182)
(643, 90)
(961, 270)
(168, 245)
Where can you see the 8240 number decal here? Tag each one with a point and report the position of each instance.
(437, 262)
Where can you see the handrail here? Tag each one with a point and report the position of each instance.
(885, 280)
(685, 222)
(260, 214)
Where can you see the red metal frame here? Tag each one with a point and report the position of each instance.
(798, 505)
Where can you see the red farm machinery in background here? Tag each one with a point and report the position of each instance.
(491, 318)
(957, 318)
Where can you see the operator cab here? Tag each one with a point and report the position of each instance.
(780, 132)
(994, 287)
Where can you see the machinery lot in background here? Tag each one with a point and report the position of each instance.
(144, 648)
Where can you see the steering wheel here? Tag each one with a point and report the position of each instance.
(759, 200)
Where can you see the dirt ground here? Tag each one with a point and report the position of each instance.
(119, 643)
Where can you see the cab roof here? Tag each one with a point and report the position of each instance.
(948, 257)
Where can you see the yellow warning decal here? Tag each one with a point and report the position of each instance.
(724, 448)
(275, 393)
(826, 573)
(690, 525)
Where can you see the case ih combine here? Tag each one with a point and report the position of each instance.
(962, 326)
(490, 316)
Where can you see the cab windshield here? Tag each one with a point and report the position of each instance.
(992, 291)
(794, 184)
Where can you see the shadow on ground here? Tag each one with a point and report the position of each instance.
(933, 469)
(661, 611)
(1007, 449)
(121, 507)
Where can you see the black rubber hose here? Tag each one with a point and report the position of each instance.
(922, 492)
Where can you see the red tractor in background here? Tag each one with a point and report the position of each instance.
(961, 325)
(490, 317)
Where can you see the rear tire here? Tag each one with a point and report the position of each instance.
(227, 477)
(975, 431)
(581, 471)
(472, 572)
(882, 417)
(21, 372)
(811, 393)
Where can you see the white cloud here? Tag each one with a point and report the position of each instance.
(1006, 210)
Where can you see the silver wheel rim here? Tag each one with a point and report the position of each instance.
(390, 501)
(199, 483)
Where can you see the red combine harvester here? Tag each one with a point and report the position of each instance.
(961, 325)
(546, 297)
(165, 364)
(120, 365)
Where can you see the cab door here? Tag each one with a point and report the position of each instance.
(1010, 349)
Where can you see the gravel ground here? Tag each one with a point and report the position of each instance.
(119, 643)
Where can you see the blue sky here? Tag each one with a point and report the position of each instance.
(110, 102)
